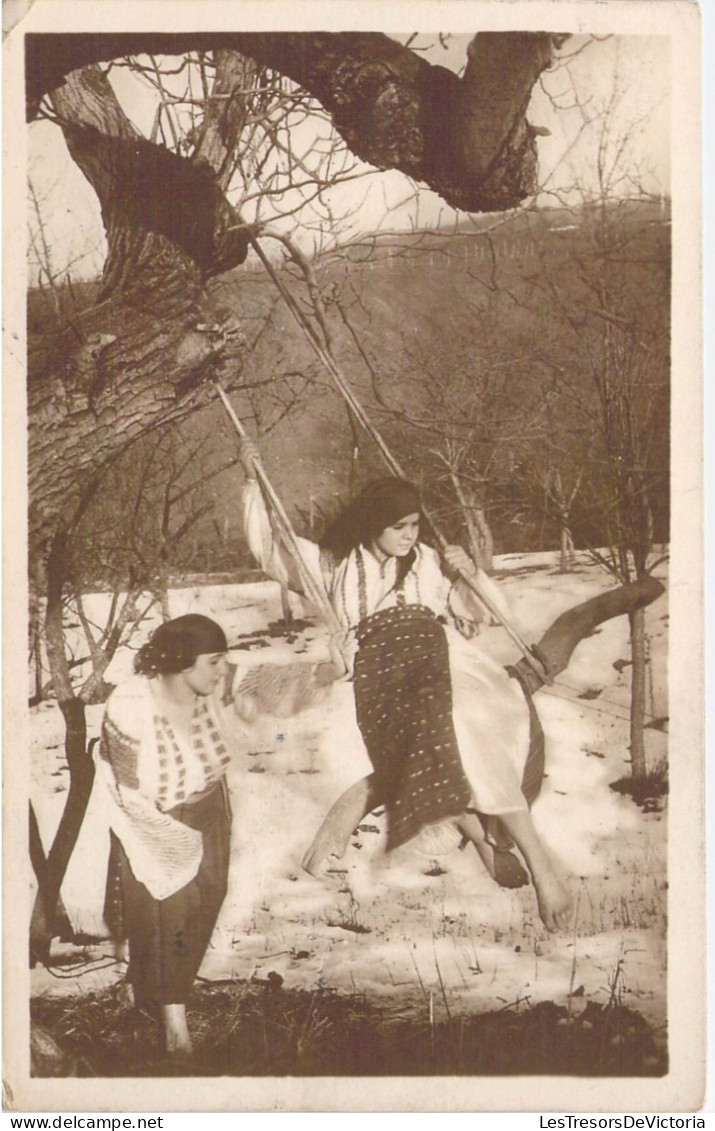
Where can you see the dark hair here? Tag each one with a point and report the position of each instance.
(379, 505)
(174, 646)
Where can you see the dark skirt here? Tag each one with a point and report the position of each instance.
(168, 938)
(403, 698)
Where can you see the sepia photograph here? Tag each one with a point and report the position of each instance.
(352, 411)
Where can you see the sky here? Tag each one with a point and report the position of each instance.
(629, 73)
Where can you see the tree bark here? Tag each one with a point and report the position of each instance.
(567, 547)
(639, 766)
(44, 924)
(41, 931)
(286, 607)
(144, 350)
(479, 532)
(226, 114)
(48, 917)
(154, 203)
(468, 139)
(485, 539)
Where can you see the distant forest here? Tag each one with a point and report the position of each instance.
(487, 358)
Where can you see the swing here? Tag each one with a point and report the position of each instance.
(530, 655)
(536, 669)
(282, 690)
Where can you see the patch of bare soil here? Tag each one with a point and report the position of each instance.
(262, 1029)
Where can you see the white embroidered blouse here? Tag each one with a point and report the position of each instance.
(148, 768)
(360, 585)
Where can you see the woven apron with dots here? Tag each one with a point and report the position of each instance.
(403, 698)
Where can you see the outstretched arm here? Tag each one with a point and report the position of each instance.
(283, 689)
(263, 542)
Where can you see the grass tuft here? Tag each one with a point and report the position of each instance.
(266, 1029)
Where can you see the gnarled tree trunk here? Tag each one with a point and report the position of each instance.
(141, 355)
(144, 354)
(144, 349)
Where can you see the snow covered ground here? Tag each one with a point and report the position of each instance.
(417, 930)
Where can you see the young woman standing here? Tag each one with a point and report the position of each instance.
(164, 752)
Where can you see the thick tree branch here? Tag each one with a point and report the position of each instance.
(226, 114)
(468, 139)
(154, 203)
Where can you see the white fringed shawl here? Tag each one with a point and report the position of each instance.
(148, 769)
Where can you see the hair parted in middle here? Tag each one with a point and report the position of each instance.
(174, 646)
(380, 504)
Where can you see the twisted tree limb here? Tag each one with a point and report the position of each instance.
(466, 138)
(143, 352)
(558, 643)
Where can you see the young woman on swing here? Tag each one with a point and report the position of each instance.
(445, 727)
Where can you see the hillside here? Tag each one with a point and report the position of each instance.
(414, 318)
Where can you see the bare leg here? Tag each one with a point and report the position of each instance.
(176, 1030)
(333, 835)
(331, 839)
(470, 827)
(502, 865)
(552, 897)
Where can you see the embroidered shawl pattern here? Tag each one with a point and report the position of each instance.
(146, 771)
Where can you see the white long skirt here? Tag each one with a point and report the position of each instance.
(491, 720)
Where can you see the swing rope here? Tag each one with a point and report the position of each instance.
(357, 409)
(310, 586)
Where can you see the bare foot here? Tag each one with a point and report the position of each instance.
(176, 1030)
(554, 902)
(333, 836)
(552, 897)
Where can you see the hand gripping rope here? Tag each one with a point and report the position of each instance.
(331, 365)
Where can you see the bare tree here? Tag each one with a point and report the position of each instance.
(123, 617)
(631, 394)
(612, 301)
(561, 501)
(182, 208)
(170, 226)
